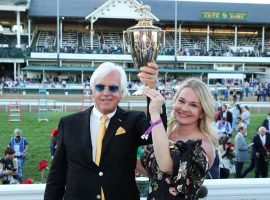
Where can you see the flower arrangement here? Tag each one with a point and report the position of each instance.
(28, 181)
(43, 166)
(229, 151)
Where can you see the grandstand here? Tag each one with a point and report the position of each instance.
(211, 38)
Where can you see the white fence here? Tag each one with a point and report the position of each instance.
(219, 189)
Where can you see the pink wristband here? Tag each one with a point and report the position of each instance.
(148, 131)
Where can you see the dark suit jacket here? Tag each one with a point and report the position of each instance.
(229, 117)
(266, 124)
(258, 147)
(73, 173)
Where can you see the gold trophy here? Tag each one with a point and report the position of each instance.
(144, 39)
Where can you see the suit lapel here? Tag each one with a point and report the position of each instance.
(85, 134)
(114, 124)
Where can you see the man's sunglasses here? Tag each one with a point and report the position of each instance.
(112, 88)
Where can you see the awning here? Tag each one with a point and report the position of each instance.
(47, 68)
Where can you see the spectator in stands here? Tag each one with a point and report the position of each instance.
(241, 150)
(8, 167)
(234, 94)
(225, 113)
(223, 128)
(216, 93)
(226, 94)
(262, 152)
(189, 145)
(20, 146)
(86, 166)
(64, 83)
(266, 122)
(53, 141)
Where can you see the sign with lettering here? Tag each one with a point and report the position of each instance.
(224, 15)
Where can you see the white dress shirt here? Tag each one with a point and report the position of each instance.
(263, 138)
(94, 126)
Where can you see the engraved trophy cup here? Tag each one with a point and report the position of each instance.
(144, 39)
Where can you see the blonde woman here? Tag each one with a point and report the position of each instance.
(179, 159)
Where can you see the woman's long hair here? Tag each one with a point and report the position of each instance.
(206, 124)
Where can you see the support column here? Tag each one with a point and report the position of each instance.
(175, 32)
(61, 33)
(164, 41)
(82, 78)
(185, 65)
(207, 38)
(180, 36)
(123, 41)
(263, 38)
(129, 77)
(19, 71)
(18, 29)
(235, 36)
(57, 34)
(92, 33)
(44, 76)
(243, 66)
(29, 33)
(14, 71)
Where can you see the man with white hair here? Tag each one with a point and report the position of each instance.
(97, 149)
(262, 152)
(20, 146)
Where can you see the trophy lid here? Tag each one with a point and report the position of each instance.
(145, 21)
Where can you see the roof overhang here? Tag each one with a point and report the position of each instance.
(20, 5)
(131, 70)
(110, 9)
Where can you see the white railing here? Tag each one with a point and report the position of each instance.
(219, 189)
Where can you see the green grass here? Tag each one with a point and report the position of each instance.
(38, 136)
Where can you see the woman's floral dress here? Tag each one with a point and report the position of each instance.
(190, 166)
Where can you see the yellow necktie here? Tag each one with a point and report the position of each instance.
(101, 133)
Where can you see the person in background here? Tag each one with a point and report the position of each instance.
(53, 141)
(225, 113)
(179, 160)
(252, 158)
(262, 152)
(245, 116)
(226, 152)
(236, 112)
(96, 153)
(223, 128)
(266, 122)
(241, 150)
(8, 168)
(20, 146)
